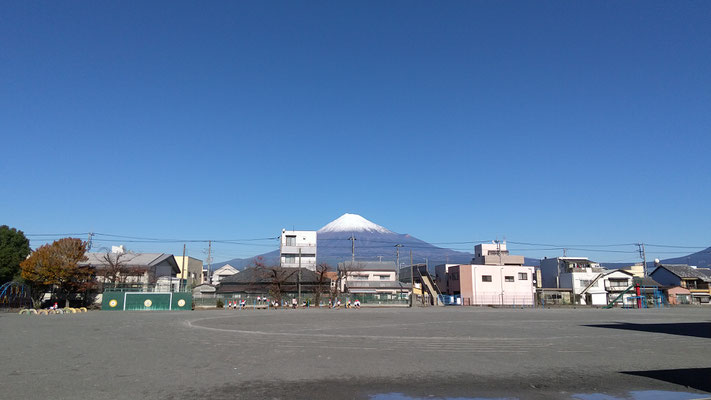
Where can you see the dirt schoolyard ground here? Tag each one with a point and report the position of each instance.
(356, 354)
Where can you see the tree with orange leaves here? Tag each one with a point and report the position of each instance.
(58, 265)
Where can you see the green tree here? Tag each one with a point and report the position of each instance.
(14, 248)
(58, 265)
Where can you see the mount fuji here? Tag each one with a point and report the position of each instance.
(372, 243)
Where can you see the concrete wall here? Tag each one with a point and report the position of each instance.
(193, 269)
(441, 278)
(164, 269)
(549, 272)
(665, 277)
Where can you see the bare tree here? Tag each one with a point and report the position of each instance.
(322, 278)
(277, 278)
(345, 270)
(116, 268)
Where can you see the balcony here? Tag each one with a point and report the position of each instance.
(306, 248)
(616, 288)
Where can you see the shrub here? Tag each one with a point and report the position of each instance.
(220, 303)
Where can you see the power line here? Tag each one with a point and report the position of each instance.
(676, 247)
(567, 246)
(57, 234)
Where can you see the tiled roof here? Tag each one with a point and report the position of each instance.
(258, 275)
(685, 271)
(368, 266)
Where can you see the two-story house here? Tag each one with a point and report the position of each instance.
(618, 283)
(492, 284)
(696, 280)
(377, 277)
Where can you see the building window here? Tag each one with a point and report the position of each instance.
(384, 277)
(486, 278)
(290, 259)
(522, 276)
(618, 283)
(585, 282)
(291, 240)
(509, 278)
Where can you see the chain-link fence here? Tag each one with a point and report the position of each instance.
(307, 300)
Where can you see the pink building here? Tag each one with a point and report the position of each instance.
(492, 284)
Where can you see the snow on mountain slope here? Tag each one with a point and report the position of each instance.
(352, 223)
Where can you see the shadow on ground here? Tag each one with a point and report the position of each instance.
(696, 329)
(695, 378)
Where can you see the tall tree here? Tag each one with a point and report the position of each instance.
(14, 248)
(58, 265)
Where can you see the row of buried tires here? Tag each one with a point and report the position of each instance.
(68, 310)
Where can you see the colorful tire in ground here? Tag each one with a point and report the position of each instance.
(83, 309)
(43, 312)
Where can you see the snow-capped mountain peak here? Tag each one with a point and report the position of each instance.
(352, 223)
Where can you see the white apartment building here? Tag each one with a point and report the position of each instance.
(298, 249)
(577, 273)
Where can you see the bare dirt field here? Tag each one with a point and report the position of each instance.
(461, 352)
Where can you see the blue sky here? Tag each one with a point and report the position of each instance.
(545, 122)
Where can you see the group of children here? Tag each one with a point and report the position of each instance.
(264, 301)
(337, 304)
(237, 304)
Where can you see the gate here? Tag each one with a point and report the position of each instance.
(147, 301)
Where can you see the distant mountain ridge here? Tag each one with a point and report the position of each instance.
(374, 242)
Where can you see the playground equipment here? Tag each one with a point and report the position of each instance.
(641, 297)
(15, 295)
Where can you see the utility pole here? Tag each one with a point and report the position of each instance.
(299, 277)
(643, 255)
(397, 256)
(565, 252)
(498, 249)
(209, 261)
(182, 268)
(412, 282)
(89, 241)
(397, 261)
(352, 239)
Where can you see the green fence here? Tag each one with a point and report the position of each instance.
(115, 301)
